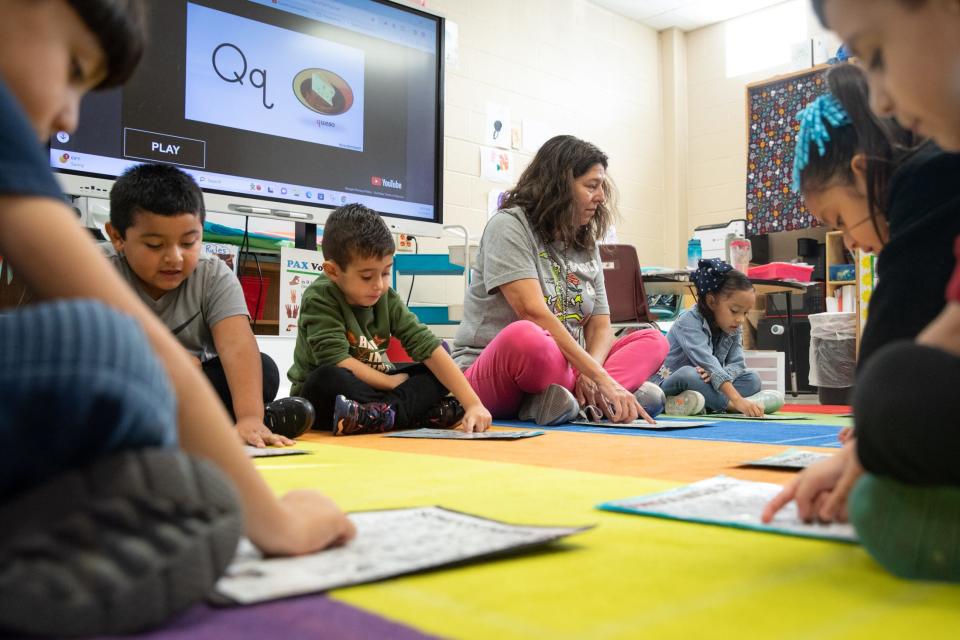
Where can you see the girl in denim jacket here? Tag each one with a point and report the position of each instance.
(704, 368)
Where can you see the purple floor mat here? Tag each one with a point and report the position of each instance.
(316, 617)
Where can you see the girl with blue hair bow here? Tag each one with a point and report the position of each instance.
(705, 369)
(858, 173)
(898, 465)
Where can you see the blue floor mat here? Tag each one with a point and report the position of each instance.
(789, 433)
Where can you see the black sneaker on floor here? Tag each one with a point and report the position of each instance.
(445, 414)
(289, 417)
(116, 547)
(352, 418)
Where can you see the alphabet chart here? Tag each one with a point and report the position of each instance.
(789, 459)
(729, 502)
(453, 434)
(389, 543)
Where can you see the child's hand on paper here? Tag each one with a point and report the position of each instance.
(821, 489)
(309, 522)
(253, 432)
(475, 418)
(704, 374)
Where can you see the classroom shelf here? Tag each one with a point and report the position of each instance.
(427, 264)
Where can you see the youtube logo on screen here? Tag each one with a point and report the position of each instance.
(387, 183)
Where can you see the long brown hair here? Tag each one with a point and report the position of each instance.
(545, 193)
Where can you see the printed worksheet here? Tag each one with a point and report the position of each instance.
(453, 434)
(270, 452)
(643, 424)
(770, 417)
(729, 502)
(389, 543)
(789, 459)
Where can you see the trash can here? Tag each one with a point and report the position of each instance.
(833, 355)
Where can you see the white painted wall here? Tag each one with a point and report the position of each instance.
(574, 66)
(717, 116)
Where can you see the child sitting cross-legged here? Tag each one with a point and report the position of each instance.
(705, 369)
(347, 318)
(156, 233)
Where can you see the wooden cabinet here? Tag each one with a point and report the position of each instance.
(269, 270)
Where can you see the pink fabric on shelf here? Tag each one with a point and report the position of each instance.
(524, 359)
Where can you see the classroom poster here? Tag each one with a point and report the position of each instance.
(298, 269)
(498, 129)
(496, 165)
(229, 253)
(772, 107)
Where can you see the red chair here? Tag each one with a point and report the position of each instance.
(625, 293)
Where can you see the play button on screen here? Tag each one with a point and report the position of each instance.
(159, 147)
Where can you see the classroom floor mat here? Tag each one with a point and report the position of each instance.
(316, 617)
(630, 577)
(759, 432)
(827, 409)
(664, 458)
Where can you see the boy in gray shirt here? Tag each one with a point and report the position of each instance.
(156, 231)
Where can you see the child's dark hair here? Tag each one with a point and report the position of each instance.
(818, 8)
(120, 28)
(730, 282)
(882, 141)
(355, 231)
(153, 188)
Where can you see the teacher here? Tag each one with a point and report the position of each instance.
(536, 340)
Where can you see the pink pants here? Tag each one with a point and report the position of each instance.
(524, 359)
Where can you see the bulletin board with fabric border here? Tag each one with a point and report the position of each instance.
(772, 106)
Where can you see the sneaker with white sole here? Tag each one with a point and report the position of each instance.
(351, 418)
(116, 547)
(556, 405)
(685, 403)
(652, 398)
(769, 400)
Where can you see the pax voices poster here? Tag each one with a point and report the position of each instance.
(298, 269)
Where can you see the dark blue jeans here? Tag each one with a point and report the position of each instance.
(78, 380)
(684, 378)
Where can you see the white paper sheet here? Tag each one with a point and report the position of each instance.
(643, 424)
(388, 543)
(729, 502)
(790, 459)
(453, 434)
(270, 452)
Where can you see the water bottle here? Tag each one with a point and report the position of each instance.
(694, 252)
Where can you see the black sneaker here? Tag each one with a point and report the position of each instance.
(116, 547)
(350, 418)
(445, 414)
(289, 417)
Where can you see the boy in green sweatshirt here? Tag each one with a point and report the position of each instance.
(347, 318)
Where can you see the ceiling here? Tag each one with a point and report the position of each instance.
(685, 15)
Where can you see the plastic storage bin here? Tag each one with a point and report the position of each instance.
(781, 271)
(833, 355)
(843, 272)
